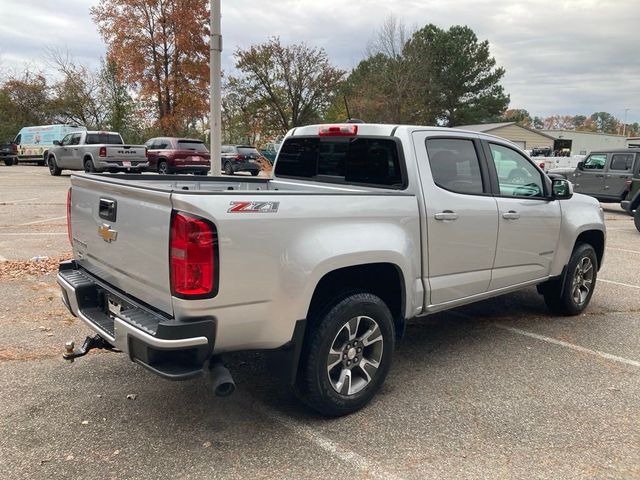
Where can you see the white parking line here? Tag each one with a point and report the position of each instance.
(42, 221)
(577, 348)
(622, 250)
(618, 283)
(15, 202)
(368, 468)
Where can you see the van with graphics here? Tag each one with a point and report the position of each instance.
(33, 143)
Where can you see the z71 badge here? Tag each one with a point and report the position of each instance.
(254, 207)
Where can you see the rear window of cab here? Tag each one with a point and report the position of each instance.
(351, 160)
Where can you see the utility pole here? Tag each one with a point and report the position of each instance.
(624, 127)
(215, 86)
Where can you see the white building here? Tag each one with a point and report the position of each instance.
(581, 143)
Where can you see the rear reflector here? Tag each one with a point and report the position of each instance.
(69, 216)
(193, 257)
(338, 130)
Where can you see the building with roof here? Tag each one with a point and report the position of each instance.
(525, 138)
(581, 143)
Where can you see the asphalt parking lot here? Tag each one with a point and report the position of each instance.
(500, 389)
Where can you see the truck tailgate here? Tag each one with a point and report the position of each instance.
(121, 234)
(125, 152)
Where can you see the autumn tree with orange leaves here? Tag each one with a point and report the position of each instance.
(160, 49)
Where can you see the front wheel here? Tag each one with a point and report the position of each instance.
(228, 168)
(572, 297)
(163, 168)
(9, 162)
(54, 170)
(636, 218)
(347, 355)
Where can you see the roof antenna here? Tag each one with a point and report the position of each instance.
(349, 119)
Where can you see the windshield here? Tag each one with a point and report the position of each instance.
(103, 139)
(192, 145)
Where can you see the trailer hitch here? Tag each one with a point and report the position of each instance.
(89, 344)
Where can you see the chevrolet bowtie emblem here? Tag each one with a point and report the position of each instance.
(107, 234)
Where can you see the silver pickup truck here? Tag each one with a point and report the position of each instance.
(362, 228)
(96, 152)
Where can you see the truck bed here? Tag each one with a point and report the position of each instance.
(208, 185)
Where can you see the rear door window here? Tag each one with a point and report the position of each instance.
(360, 160)
(455, 165)
(622, 161)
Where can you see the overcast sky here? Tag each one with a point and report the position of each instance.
(561, 56)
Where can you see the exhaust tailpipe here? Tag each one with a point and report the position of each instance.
(223, 384)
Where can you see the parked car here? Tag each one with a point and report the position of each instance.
(270, 151)
(96, 152)
(34, 143)
(604, 175)
(240, 158)
(362, 228)
(178, 155)
(9, 153)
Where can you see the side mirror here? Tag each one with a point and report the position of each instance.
(57, 143)
(562, 189)
(581, 165)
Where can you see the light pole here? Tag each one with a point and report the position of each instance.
(624, 127)
(215, 85)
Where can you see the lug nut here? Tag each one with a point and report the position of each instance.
(359, 349)
(348, 363)
(355, 360)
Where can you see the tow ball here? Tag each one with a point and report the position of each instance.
(89, 344)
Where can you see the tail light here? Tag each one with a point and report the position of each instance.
(627, 184)
(14, 148)
(193, 257)
(238, 157)
(103, 152)
(338, 130)
(69, 216)
(541, 165)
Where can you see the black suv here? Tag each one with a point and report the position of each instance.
(240, 158)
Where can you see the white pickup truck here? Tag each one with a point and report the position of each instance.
(96, 152)
(362, 228)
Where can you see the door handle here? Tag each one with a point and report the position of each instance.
(446, 215)
(511, 215)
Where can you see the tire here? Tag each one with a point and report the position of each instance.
(254, 173)
(163, 168)
(636, 219)
(581, 275)
(345, 326)
(88, 166)
(9, 161)
(54, 170)
(228, 168)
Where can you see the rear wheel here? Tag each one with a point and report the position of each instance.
(53, 167)
(163, 168)
(9, 161)
(636, 218)
(581, 274)
(347, 355)
(228, 168)
(88, 166)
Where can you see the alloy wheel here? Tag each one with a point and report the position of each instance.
(582, 280)
(355, 355)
